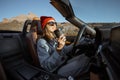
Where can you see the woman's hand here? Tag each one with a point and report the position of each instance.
(61, 42)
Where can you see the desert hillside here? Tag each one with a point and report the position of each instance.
(19, 18)
(16, 23)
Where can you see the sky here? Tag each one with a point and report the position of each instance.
(86, 10)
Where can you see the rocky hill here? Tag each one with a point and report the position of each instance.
(20, 18)
(16, 23)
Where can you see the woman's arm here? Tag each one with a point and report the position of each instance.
(61, 45)
(47, 60)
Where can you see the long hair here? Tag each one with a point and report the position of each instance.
(47, 34)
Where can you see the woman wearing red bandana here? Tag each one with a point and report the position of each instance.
(52, 52)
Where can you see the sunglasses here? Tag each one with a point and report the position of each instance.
(52, 23)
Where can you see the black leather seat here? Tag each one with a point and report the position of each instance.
(2, 72)
(112, 51)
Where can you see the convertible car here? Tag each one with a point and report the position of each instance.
(18, 58)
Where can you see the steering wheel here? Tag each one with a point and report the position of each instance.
(77, 41)
(80, 33)
(86, 45)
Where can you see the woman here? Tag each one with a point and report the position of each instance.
(52, 51)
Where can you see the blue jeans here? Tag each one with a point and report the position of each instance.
(74, 66)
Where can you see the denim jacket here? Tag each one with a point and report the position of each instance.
(49, 58)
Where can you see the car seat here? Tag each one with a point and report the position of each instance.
(2, 73)
(111, 51)
(31, 38)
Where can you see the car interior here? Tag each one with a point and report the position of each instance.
(19, 60)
